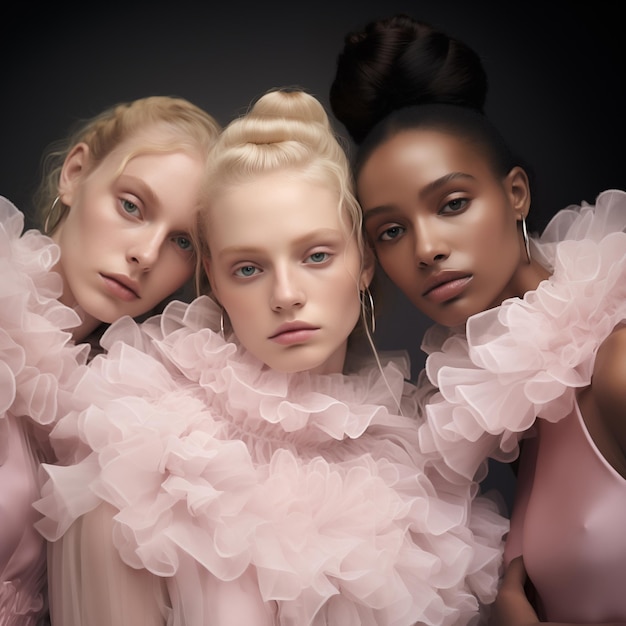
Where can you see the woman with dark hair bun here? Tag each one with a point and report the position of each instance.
(399, 62)
(530, 336)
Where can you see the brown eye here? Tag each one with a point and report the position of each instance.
(455, 206)
(393, 232)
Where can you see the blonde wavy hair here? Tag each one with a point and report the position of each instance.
(185, 127)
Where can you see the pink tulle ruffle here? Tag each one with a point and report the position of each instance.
(315, 481)
(527, 357)
(36, 353)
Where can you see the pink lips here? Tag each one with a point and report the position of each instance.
(293, 333)
(445, 285)
(121, 286)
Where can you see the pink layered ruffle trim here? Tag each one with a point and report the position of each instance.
(315, 481)
(37, 357)
(527, 357)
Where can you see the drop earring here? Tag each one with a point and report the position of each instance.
(365, 304)
(526, 239)
(46, 224)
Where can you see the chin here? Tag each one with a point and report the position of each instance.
(296, 366)
(287, 368)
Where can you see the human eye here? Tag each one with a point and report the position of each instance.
(456, 205)
(246, 271)
(391, 232)
(183, 242)
(318, 257)
(130, 207)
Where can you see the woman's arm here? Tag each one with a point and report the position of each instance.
(607, 398)
(90, 584)
(512, 607)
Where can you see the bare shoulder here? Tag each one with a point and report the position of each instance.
(608, 385)
(609, 372)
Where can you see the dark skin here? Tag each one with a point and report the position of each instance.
(512, 607)
(603, 406)
(433, 202)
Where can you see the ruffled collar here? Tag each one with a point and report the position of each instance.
(37, 355)
(185, 341)
(527, 357)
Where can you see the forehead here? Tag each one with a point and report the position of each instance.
(283, 203)
(153, 139)
(418, 157)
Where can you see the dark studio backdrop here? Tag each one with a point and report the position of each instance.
(557, 82)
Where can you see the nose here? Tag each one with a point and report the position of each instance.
(287, 292)
(430, 245)
(145, 248)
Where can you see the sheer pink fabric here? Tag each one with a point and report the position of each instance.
(302, 499)
(36, 362)
(526, 359)
(572, 534)
(490, 380)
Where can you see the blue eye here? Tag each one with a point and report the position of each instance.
(318, 257)
(391, 233)
(130, 207)
(183, 242)
(246, 271)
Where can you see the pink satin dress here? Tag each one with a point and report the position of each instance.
(573, 535)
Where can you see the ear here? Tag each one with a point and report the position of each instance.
(369, 267)
(518, 190)
(72, 172)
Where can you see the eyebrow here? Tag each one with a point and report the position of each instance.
(428, 189)
(145, 191)
(316, 235)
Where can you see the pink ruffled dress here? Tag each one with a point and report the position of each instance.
(526, 359)
(36, 359)
(251, 496)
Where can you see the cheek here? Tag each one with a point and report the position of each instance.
(348, 307)
(497, 242)
(241, 306)
(397, 261)
(172, 274)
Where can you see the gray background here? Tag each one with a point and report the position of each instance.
(557, 81)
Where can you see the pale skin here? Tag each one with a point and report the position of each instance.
(125, 246)
(280, 253)
(125, 241)
(286, 269)
(445, 229)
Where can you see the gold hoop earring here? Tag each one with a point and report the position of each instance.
(364, 306)
(526, 239)
(46, 224)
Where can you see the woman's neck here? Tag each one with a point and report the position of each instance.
(527, 277)
(88, 323)
(87, 326)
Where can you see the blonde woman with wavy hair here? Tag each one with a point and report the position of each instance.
(248, 465)
(118, 205)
